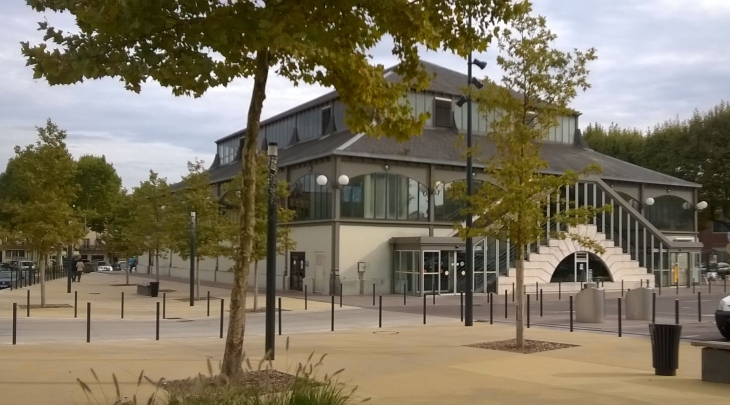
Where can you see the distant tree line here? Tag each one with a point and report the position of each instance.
(696, 149)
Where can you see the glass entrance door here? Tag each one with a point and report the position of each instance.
(680, 265)
(431, 269)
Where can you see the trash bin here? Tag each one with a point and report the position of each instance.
(665, 348)
(154, 288)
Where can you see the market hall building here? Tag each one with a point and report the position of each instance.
(376, 211)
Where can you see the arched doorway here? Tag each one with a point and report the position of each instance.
(581, 267)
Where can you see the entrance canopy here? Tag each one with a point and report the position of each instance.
(429, 243)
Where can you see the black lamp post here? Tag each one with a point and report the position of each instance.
(192, 258)
(271, 252)
(469, 303)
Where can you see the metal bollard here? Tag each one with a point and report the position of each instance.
(76, 303)
(404, 294)
(699, 306)
(528, 311)
(541, 302)
(279, 316)
(693, 289)
(676, 312)
(27, 306)
(332, 323)
(560, 290)
(15, 321)
(461, 305)
(537, 289)
(11, 281)
(380, 311)
(709, 286)
(305, 297)
(164, 305)
(571, 313)
(340, 295)
(491, 308)
(434, 296)
(619, 317)
(88, 322)
(424, 307)
(222, 303)
(122, 304)
(208, 313)
(622, 288)
(373, 294)
(513, 292)
(505, 304)
(157, 322)
(653, 307)
(660, 288)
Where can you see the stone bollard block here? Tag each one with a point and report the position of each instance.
(590, 305)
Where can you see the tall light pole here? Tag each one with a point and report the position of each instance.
(192, 258)
(271, 251)
(469, 303)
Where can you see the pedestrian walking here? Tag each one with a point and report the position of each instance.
(79, 270)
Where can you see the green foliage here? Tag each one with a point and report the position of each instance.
(538, 84)
(196, 196)
(99, 185)
(119, 235)
(150, 222)
(695, 150)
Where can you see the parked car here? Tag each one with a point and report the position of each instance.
(5, 267)
(103, 266)
(722, 317)
(6, 277)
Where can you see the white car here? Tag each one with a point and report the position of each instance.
(722, 317)
(103, 266)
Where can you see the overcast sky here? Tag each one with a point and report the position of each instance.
(657, 60)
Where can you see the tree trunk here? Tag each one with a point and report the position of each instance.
(197, 275)
(59, 260)
(42, 265)
(233, 355)
(255, 286)
(520, 297)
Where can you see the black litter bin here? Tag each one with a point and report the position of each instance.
(665, 348)
(154, 288)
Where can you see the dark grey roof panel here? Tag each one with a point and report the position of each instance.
(441, 146)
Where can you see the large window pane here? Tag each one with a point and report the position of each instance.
(381, 195)
(671, 213)
(384, 196)
(309, 200)
(446, 208)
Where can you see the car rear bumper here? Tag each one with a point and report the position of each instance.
(722, 319)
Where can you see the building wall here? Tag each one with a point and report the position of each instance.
(370, 244)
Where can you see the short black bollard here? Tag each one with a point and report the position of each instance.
(11, 281)
(699, 306)
(505, 304)
(537, 290)
(622, 288)
(653, 307)
(279, 316)
(222, 303)
(27, 306)
(660, 288)
(122, 304)
(693, 289)
(513, 292)
(491, 308)
(305, 297)
(164, 305)
(373, 294)
(76, 303)
(541, 302)
(560, 290)
(424, 307)
(88, 322)
(709, 286)
(581, 285)
(571, 313)
(434, 296)
(340, 295)
(157, 322)
(208, 313)
(461, 305)
(619, 317)
(15, 321)
(380, 311)
(676, 312)
(332, 320)
(404, 294)
(528, 311)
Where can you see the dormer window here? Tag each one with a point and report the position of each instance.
(326, 117)
(442, 112)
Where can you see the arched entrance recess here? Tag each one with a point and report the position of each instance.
(581, 267)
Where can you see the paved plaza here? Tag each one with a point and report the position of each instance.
(403, 362)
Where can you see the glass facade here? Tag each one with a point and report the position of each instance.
(309, 200)
(406, 272)
(671, 213)
(446, 208)
(384, 196)
(227, 150)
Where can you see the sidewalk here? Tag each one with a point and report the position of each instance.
(405, 365)
(104, 291)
